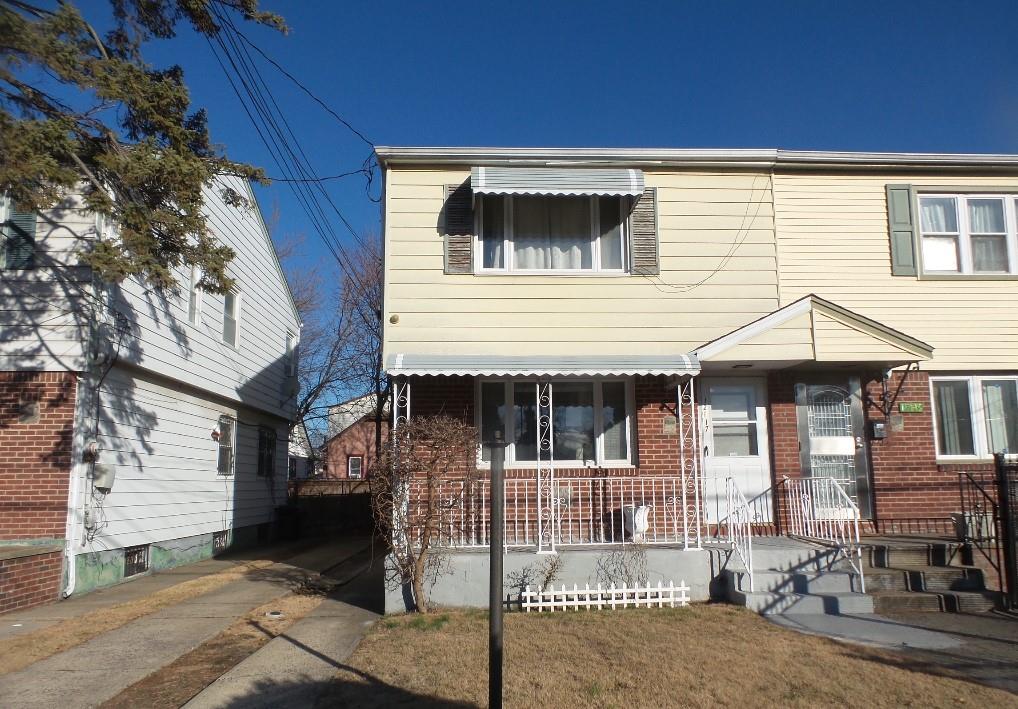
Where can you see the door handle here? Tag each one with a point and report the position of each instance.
(858, 442)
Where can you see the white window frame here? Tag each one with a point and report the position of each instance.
(237, 309)
(508, 265)
(977, 414)
(964, 235)
(195, 297)
(291, 353)
(360, 468)
(233, 444)
(510, 424)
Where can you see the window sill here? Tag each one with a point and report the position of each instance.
(564, 465)
(968, 276)
(963, 459)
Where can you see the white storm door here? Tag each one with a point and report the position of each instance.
(735, 445)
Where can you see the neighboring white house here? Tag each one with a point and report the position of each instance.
(153, 425)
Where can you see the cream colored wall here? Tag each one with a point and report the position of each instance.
(718, 272)
(833, 241)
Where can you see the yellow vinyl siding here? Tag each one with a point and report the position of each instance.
(832, 240)
(707, 221)
(789, 341)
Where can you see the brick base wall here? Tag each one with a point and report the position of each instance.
(30, 580)
(36, 427)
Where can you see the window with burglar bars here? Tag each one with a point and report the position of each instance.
(135, 560)
(266, 451)
(227, 444)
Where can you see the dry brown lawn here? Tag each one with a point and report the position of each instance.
(22, 650)
(701, 656)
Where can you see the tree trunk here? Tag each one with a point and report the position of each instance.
(420, 594)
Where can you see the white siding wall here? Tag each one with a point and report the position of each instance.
(42, 321)
(157, 435)
(162, 340)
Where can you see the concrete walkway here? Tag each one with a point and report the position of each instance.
(295, 668)
(100, 668)
(982, 648)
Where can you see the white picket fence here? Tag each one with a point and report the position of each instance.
(599, 598)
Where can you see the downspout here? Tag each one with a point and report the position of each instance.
(79, 445)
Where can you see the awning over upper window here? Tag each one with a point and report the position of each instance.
(556, 181)
(540, 366)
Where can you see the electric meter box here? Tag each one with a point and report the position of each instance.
(103, 476)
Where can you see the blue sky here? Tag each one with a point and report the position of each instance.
(915, 76)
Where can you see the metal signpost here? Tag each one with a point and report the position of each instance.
(495, 580)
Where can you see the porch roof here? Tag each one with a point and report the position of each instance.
(815, 330)
(540, 365)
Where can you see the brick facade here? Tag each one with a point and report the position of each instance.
(911, 491)
(30, 580)
(36, 427)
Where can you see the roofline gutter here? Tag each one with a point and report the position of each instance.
(765, 159)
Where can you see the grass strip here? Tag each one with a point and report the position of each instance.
(23, 650)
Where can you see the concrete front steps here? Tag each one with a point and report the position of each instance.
(917, 575)
(792, 577)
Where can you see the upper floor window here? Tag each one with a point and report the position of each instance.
(231, 318)
(968, 234)
(194, 297)
(18, 252)
(291, 354)
(975, 416)
(590, 421)
(550, 234)
(354, 463)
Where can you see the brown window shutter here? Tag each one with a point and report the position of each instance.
(643, 235)
(458, 228)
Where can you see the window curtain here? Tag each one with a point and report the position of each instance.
(938, 214)
(493, 231)
(552, 233)
(954, 424)
(1001, 401)
(986, 216)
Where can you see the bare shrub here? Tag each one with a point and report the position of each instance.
(625, 566)
(419, 482)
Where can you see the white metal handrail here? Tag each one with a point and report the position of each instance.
(820, 509)
(584, 511)
(740, 526)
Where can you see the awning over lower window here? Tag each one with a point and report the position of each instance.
(540, 366)
(556, 181)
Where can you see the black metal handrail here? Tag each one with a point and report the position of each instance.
(979, 503)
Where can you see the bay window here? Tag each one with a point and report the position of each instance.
(968, 234)
(975, 416)
(590, 421)
(559, 234)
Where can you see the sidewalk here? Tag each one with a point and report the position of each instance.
(100, 668)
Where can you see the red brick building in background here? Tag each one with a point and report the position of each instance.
(350, 453)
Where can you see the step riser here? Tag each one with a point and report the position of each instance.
(907, 580)
(835, 582)
(934, 602)
(891, 557)
(769, 603)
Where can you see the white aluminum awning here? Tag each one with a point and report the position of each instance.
(540, 366)
(573, 182)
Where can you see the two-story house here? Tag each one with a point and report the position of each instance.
(658, 332)
(140, 429)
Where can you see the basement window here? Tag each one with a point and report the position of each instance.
(135, 560)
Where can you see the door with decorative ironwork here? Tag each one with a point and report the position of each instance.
(832, 440)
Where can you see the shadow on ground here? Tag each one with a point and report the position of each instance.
(369, 693)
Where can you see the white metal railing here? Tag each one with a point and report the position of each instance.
(740, 526)
(821, 510)
(645, 596)
(583, 511)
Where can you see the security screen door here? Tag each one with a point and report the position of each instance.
(832, 440)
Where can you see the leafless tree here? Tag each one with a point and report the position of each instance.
(418, 483)
(340, 343)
